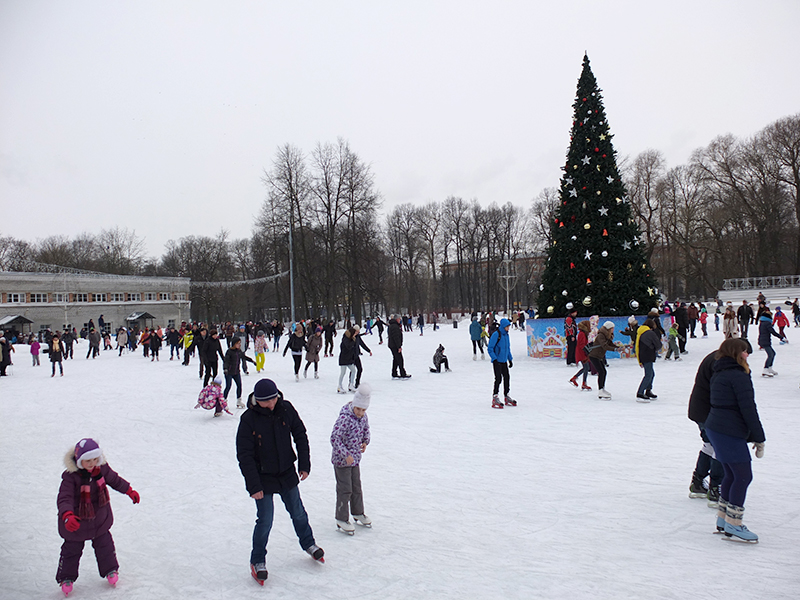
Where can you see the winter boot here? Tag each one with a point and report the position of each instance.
(113, 578)
(574, 381)
(259, 572)
(734, 526)
(585, 387)
(722, 509)
(713, 496)
(603, 394)
(363, 520)
(316, 553)
(66, 587)
(510, 401)
(496, 402)
(697, 489)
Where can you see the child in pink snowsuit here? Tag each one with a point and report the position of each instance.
(84, 512)
(211, 396)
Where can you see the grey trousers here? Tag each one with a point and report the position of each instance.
(348, 492)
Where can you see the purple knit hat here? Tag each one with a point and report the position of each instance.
(86, 449)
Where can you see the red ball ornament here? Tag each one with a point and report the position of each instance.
(584, 99)
(604, 155)
(571, 265)
(597, 149)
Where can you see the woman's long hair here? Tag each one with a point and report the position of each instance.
(734, 347)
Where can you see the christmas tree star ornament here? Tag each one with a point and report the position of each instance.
(603, 211)
(588, 255)
(610, 179)
(573, 193)
(626, 246)
(586, 160)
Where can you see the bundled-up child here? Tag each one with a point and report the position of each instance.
(260, 348)
(349, 441)
(211, 396)
(672, 341)
(439, 358)
(35, 346)
(84, 512)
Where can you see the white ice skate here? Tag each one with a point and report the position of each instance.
(363, 520)
(766, 373)
(345, 527)
(603, 394)
(239, 403)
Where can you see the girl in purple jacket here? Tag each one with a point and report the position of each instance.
(349, 440)
(84, 512)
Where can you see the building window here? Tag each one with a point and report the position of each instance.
(163, 296)
(180, 296)
(39, 298)
(108, 327)
(81, 297)
(118, 297)
(134, 297)
(16, 298)
(99, 297)
(150, 296)
(60, 298)
(171, 323)
(44, 327)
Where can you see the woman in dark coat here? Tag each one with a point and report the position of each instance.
(765, 333)
(347, 360)
(603, 342)
(732, 423)
(648, 347)
(56, 353)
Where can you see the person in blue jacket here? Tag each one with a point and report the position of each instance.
(475, 333)
(732, 423)
(765, 333)
(500, 352)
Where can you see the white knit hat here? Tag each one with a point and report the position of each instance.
(362, 396)
(608, 325)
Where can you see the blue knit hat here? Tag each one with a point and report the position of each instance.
(264, 390)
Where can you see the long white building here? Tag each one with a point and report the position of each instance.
(60, 300)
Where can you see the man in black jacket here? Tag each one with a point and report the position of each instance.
(744, 314)
(266, 460)
(699, 407)
(211, 348)
(682, 319)
(395, 336)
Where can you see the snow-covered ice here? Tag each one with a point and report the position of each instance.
(564, 496)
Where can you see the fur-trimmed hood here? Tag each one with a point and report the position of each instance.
(72, 466)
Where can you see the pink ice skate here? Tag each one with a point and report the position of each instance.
(113, 578)
(66, 587)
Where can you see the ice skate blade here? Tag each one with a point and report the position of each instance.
(733, 538)
(339, 528)
(698, 495)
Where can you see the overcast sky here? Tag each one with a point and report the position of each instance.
(161, 116)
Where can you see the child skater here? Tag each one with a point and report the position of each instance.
(84, 512)
(35, 345)
(673, 335)
(56, 350)
(439, 357)
(260, 348)
(211, 396)
(349, 440)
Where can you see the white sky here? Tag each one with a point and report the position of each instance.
(161, 116)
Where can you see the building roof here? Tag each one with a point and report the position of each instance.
(14, 320)
(139, 315)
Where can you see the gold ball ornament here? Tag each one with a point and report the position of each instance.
(550, 310)
(587, 301)
(587, 226)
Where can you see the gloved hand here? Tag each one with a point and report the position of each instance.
(71, 522)
(510, 363)
(759, 448)
(134, 495)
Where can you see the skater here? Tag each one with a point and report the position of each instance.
(347, 359)
(395, 341)
(67, 341)
(421, 323)
(55, 355)
(733, 422)
(174, 338)
(704, 321)
(349, 440)
(211, 349)
(571, 333)
(439, 358)
(745, 315)
(233, 360)
(648, 345)
(476, 335)
(765, 333)
(155, 345)
(144, 342)
(122, 340)
(672, 342)
(199, 343)
(632, 331)
(94, 344)
(692, 313)
(260, 347)
(35, 346)
(330, 333)
(277, 332)
(796, 312)
(380, 325)
(730, 328)
(313, 346)
(682, 319)
(266, 459)
(781, 321)
(500, 352)
(84, 512)
(359, 344)
(582, 348)
(603, 342)
(211, 396)
(297, 343)
(707, 465)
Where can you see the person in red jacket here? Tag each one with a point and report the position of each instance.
(781, 320)
(84, 512)
(584, 328)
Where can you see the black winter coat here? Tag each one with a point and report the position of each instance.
(347, 351)
(649, 345)
(264, 447)
(681, 316)
(733, 402)
(700, 399)
(296, 343)
(210, 349)
(395, 335)
(234, 357)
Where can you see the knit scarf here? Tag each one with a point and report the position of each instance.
(85, 509)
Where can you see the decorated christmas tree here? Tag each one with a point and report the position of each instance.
(596, 262)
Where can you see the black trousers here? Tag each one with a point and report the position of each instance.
(501, 374)
(398, 364)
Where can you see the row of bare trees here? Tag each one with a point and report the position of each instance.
(731, 211)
